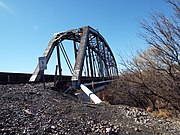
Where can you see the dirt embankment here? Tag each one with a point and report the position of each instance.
(29, 109)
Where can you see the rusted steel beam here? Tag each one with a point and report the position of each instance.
(76, 77)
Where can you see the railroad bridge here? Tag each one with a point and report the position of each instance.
(94, 60)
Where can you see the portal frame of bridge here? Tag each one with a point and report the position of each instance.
(92, 55)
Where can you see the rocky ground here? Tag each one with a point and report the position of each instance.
(29, 109)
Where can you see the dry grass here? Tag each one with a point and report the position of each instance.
(162, 113)
(105, 96)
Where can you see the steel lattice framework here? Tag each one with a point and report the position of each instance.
(93, 56)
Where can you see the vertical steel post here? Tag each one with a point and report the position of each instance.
(76, 77)
(90, 61)
(55, 76)
(59, 62)
(43, 80)
(87, 65)
(98, 57)
(105, 62)
(94, 68)
(101, 61)
(75, 49)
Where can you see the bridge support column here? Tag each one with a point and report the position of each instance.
(76, 77)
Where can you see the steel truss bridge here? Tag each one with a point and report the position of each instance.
(94, 59)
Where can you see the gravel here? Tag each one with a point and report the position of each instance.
(29, 109)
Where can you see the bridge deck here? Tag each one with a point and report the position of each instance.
(17, 78)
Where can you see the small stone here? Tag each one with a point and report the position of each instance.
(28, 112)
(108, 130)
(53, 127)
(137, 129)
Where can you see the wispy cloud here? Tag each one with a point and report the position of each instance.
(4, 6)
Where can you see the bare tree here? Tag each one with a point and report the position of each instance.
(153, 77)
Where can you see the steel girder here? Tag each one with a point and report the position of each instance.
(93, 55)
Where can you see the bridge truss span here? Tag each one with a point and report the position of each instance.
(93, 56)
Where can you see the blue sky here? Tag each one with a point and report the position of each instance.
(26, 26)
